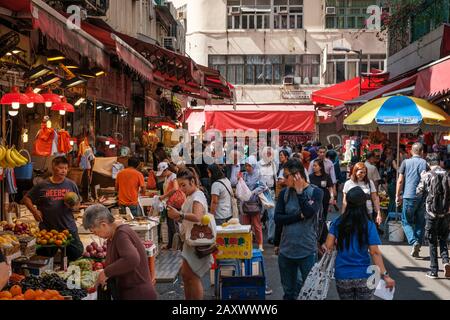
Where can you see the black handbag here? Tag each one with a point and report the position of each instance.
(203, 251)
(110, 291)
(251, 207)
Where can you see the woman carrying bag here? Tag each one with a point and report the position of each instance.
(251, 209)
(356, 239)
(221, 195)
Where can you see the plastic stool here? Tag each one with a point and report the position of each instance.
(257, 257)
(224, 263)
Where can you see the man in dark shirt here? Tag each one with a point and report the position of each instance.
(51, 212)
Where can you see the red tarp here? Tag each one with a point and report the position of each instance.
(348, 90)
(286, 121)
(445, 46)
(434, 80)
(337, 94)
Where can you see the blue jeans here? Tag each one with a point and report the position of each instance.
(293, 273)
(270, 224)
(413, 220)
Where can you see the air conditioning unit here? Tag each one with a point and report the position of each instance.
(330, 10)
(282, 10)
(234, 10)
(181, 15)
(170, 43)
(288, 81)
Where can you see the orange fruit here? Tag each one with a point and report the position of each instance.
(19, 297)
(54, 231)
(5, 295)
(58, 243)
(66, 232)
(40, 298)
(47, 295)
(43, 242)
(51, 241)
(15, 290)
(30, 294)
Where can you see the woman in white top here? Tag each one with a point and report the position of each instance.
(192, 211)
(359, 178)
(221, 191)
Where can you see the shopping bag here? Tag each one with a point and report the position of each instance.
(177, 199)
(197, 234)
(266, 200)
(242, 191)
(318, 281)
(151, 180)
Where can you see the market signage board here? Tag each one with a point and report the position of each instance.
(234, 245)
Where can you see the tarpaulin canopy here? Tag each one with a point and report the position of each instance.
(54, 25)
(286, 118)
(433, 81)
(23, 6)
(337, 94)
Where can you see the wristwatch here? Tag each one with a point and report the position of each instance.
(385, 274)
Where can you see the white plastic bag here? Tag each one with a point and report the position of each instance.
(242, 191)
(266, 203)
(384, 293)
(197, 235)
(318, 282)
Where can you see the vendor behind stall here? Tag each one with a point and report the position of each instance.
(128, 184)
(51, 212)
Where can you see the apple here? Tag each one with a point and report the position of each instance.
(100, 250)
(89, 248)
(86, 255)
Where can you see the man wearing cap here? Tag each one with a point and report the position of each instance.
(129, 183)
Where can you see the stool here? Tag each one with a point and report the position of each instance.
(224, 263)
(258, 257)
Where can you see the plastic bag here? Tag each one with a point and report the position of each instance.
(318, 282)
(151, 180)
(266, 200)
(242, 191)
(44, 142)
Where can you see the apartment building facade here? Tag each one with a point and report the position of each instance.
(280, 51)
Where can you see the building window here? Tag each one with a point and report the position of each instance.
(348, 14)
(257, 14)
(342, 67)
(267, 69)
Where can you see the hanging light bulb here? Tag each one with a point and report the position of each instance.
(13, 113)
(71, 142)
(30, 105)
(112, 146)
(107, 142)
(49, 124)
(15, 105)
(62, 112)
(48, 104)
(25, 136)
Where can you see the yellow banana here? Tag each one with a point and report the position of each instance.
(2, 152)
(10, 160)
(18, 158)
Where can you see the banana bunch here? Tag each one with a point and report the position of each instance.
(11, 158)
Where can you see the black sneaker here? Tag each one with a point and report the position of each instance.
(432, 274)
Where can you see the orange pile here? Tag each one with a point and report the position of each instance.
(53, 237)
(15, 293)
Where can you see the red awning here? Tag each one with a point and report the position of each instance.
(268, 117)
(337, 94)
(23, 6)
(434, 80)
(54, 25)
(397, 85)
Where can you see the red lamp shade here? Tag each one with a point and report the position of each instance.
(15, 98)
(63, 107)
(50, 98)
(33, 97)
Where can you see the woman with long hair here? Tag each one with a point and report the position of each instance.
(356, 239)
(359, 179)
(221, 205)
(320, 179)
(192, 212)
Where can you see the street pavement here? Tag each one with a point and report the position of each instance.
(408, 272)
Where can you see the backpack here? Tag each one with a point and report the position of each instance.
(438, 195)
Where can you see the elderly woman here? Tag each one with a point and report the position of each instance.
(127, 272)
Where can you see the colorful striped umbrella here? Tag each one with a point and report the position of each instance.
(398, 114)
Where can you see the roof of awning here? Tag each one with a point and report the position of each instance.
(286, 118)
(397, 85)
(23, 6)
(337, 94)
(433, 81)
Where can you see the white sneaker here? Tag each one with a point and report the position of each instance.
(261, 248)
